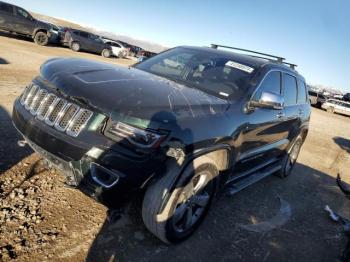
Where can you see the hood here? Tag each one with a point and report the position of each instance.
(129, 91)
(43, 24)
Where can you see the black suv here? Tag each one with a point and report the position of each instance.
(80, 40)
(15, 19)
(177, 127)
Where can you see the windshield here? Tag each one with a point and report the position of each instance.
(213, 73)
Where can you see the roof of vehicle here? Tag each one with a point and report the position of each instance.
(253, 61)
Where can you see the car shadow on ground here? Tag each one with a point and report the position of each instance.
(3, 61)
(10, 151)
(343, 143)
(250, 226)
(15, 36)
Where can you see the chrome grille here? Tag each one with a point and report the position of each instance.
(55, 111)
(40, 95)
(30, 97)
(45, 106)
(25, 94)
(52, 116)
(68, 117)
(79, 121)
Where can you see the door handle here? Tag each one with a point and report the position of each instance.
(301, 111)
(280, 114)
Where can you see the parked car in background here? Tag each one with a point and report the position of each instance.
(79, 40)
(346, 97)
(337, 106)
(54, 36)
(176, 136)
(15, 19)
(145, 53)
(316, 99)
(118, 49)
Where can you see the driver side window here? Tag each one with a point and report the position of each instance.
(22, 13)
(271, 83)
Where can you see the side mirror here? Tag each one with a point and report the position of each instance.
(269, 100)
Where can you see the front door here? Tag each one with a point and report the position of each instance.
(24, 23)
(266, 132)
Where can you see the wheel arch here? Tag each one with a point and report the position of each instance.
(37, 30)
(219, 156)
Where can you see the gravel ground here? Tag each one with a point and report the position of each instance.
(273, 220)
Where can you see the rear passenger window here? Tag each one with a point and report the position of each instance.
(84, 34)
(290, 90)
(302, 97)
(271, 83)
(6, 8)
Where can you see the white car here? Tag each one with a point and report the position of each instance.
(118, 49)
(337, 106)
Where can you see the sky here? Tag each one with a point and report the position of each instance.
(313, 34)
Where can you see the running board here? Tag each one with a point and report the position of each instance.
(234, 188)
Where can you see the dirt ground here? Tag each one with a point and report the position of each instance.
(273, 220)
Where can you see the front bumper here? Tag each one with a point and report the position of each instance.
(98, 168)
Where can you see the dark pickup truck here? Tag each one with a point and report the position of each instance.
(176, 129)
(15, 19)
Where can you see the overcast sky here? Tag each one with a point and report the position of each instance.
(313, 34)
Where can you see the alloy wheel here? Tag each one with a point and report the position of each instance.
(193, 202)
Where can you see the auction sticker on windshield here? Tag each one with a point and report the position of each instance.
(239, 66)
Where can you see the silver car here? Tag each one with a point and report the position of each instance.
(337, 106)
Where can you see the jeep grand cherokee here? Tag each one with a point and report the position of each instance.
(179, 134)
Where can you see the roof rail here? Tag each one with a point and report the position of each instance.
(264, 55)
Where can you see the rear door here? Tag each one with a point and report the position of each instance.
(23, 22)
(303, 102)
(292, 110)
(6, 16)
(83, 38)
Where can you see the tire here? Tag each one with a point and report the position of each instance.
(290, 158)
(75, 46)
(167, 217)
(106, 53)
(330, 110)
(41, 38)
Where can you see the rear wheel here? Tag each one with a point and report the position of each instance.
(75, 46)
(106, 53)
(41, 38)
(174, 218)
(290, 159)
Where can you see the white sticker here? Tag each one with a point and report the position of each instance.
(224, 94)
(239, 66)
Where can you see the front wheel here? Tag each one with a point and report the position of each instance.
(173, 218)
(290, 159)
(106, 53)
(41, 38)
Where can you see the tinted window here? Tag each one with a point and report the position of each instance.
(271, 83)
(312, 93)
(302, 97)
(6, 8)
(21, 12)
(84, 34)
(290, 90)
(214, 73)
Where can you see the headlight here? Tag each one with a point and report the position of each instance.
(139, 137)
